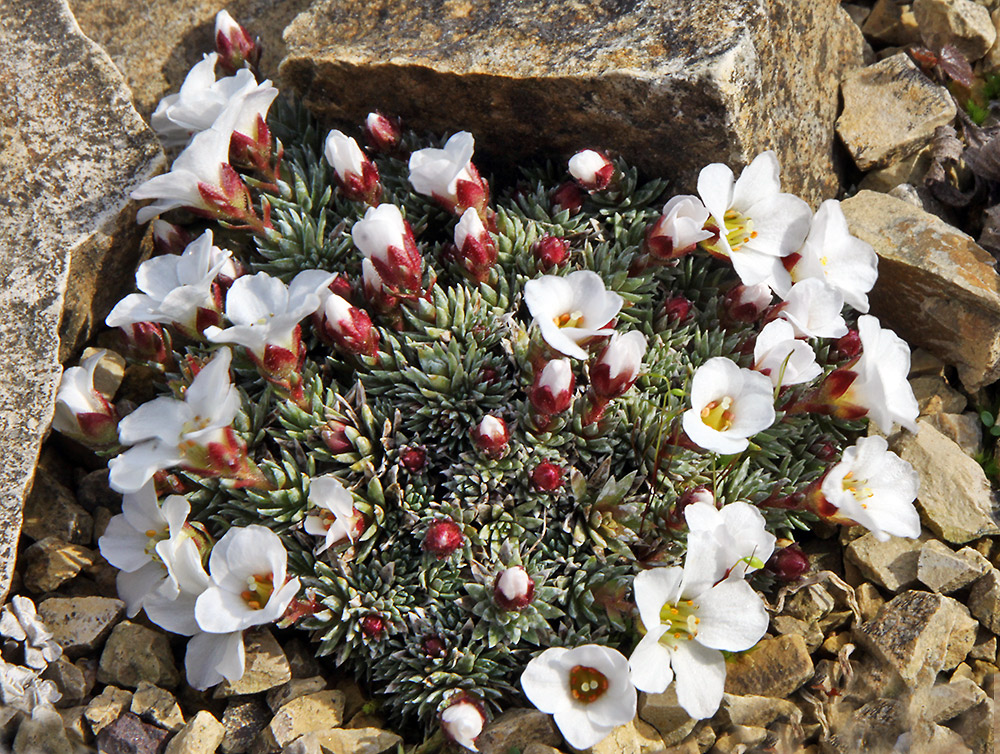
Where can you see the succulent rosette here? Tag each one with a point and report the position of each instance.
(481, 446)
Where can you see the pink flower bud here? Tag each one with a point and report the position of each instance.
(234, 45)
(356, 175)
(674, 519)
(547, 476)
(552, 391)
(462, 722)
(746, 303)
(513, 589)
(147, 341)
(383, 133)
(413, 459)
(849, 346)
(789, 563)
(567, 197)
(443, 537)
(387, 242)
(617, 368)
(592, 170)
(677, 309)
(341, 285)
(347, 326)
(433, 646)
(550, 251)
(335, 438)
(373, 627)
(491, 436)
(476, 251)
(169, 238)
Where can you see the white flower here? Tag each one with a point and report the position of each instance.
(436, 172)
(264, 311)
(571, 310)
(814, 309)
(81, 411)
(833, 255)
(758, 225)
(727, 542)
(248, 586)
(680, 228)
(687, 625)
(141, 539)
(249, 109)
(387, 243)
(337, 519)
(783, 358)
(160, 427)
(876, 488)
(344, 154)
(174, 288)
(728, 405)
(20, 622)
(591, 169)
(463, 722)
(586, 690)
(469, 224)
(617, 368)
(199, 102)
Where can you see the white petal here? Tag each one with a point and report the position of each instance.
(122, 546)
(653, 589)
(732, 616)
(135, 586)
(161, 418)
(546, 683)
(710, 439)
(220, 611)
(212, 658)
(701, 678)
(136, 466)
(761, 178)
(650, 663)
(578, 729)
(715, 187)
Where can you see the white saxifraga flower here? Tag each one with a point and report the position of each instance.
(731, 541)
(250, 113)
(814, 310)
(199, 102)
(586, 689)
(758, 225)
(176, 289)
(449, 176)
(874, 487)
(728, 405)
(356, 175)
(165, 431)
(387, 243)
(571, 310)
(462, 722)
(831, 254)
(688, 623)
(617, 368)
(680, 229)
(235, 46)
(337, 518)
(264, 311)
(592, 170)
(81, 411)
(783, 358)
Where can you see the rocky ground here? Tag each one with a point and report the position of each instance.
(879, 647)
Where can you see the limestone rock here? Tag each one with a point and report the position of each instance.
(71, 149)
(157, 706)
(892, 23)
(944, 571)
(243, 720)
(517, 728)
(528, 77)
(984, 600)
(869, 599)
(936, 287)
(664, 713)
(965, 430)
(135, 653)
(69, 679)
(42, 732)
(51, 510)
(945, 701)
(306, 714)
(635, 737)
(105, 709)
(130, 735)
(892, 564)
(936, 739)
(935, 396)
(266, 666)
(775, 668)
(962, 23)
(908, 170)
(874, 724)
(203, 733)
(919, 634)
(978, 727)
(537, 748)
(80, 624)
(355, 741)
(51, 562)
(954, 500)
(890, 111)
(282, 695)
(757, 711)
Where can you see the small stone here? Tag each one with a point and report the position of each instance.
(664, 713)
(985, 647)
(925, 364)
(870, 600)
(739, 739)
(977, 727)
(203, 733)
(775, 668)
(906, 171)
(93, 491)
(890, 112)
(892, 23)
(302, 660)
(282, 695)
(244, 719)
(955, 499)
(135, 653)
(919, 634)
(935, 396)
(354, 697)
(516, 728)
(891, 564)
(936, 287)
(962, 23)
(635, 737)
(877, 721)
(928, 737)
(811, 632)
(945, 701)
(963, 429)
(70, 681)
(537, 748)
(130, 735)
(266, 666)
(157, 706)
(109, 371)
(105, 709)
(51, 562)
(358, 741)
(944, 571)
(984, 600)
(757, 711)
(80, 624)
(835, 642)
(42, 733)
(306, 714)
(75, 724)
(52, 510)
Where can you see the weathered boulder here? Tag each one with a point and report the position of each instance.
(71, 149)
(936, 287)
(669, 84)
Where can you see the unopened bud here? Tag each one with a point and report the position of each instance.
(700, 494)
(550, 251)
(169, 238)
(477, 252)
(413, 459)
(462, 722)
(547, 476)
(677, 309)
(552, 391)
(746, 303)
(443, 537)
(513, 589)
(334, 436)
(491, 436)
(789, 563)
(147, 341)
(567, 197)
(592, 170)
(356, 175)
(433, 646)
(849, 346)
(617, 368)
(347, 326)
(234, 45)
(373, 627)
(383, 133)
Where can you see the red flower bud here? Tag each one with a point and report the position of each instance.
(433, 646)
(849, 345)
(592, 170)
(373, 627)
(234, 45)
(383, 133)
(341, 286)
(476, 251)
(347, 326)
(443, 537)
(617, 368)
(550, 251)
(700, 494)
(169, 238)
(335, 438)
(789, 563)
(746, 303)
(677, 309)
(491, 436)
(513, 589)
(413, 459)
(552, 391)
(567, 197)
(547, 476)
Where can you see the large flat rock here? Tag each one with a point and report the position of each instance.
(71, 149)
(936, 286)
(670, 84)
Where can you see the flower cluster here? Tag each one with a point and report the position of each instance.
(465, 438)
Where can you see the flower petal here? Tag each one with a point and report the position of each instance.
(546, 683)
(701, 678)
(649, 664)
(212, 658)
(732, 616)
(578, 729)
(653, 589)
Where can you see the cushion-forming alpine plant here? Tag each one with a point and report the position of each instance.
(538, 446)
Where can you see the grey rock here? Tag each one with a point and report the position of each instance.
(664, 713)
(517, 728)
(936, 287)
(962, 23)
(71, 149)
(890, 112)
(157, 706)
(977, 727)
(775, 668)
(266, 666)
(52, 510)
(135, 653)
(203, 733)
(757, 711)
(529, 77)
(69, 679)
(51, 562)
(944, 571)
(41, 733)
(984, 600)
(282, 695)
(634, 737)
(311, 713)
(353, 741)
(870, 600)
(243, 720)
(891, 564)
(906, 171)
(935, 396)
(80, 624)
(130, 735)
(965, 430)
(105, 708)
(945, 701)
(93, 491)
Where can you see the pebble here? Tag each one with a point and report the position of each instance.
(266, 666)
(935, 396)
(664, 713)
(962, 23)
(757, 711)
(243, 720)
(106, 708)
(69, 679)
(80, 624)
(282, 695)
(157, 706)
(635, 737)
(306, 714)
(202, 734)
(130, 735)
(356, 741)
(892, 23)
(984, 600)
(775, 668)
(134, 653)
(51, 562)
(944, 571)
(516, 728)
(42, 733)
(891, 564)
(52, 510)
